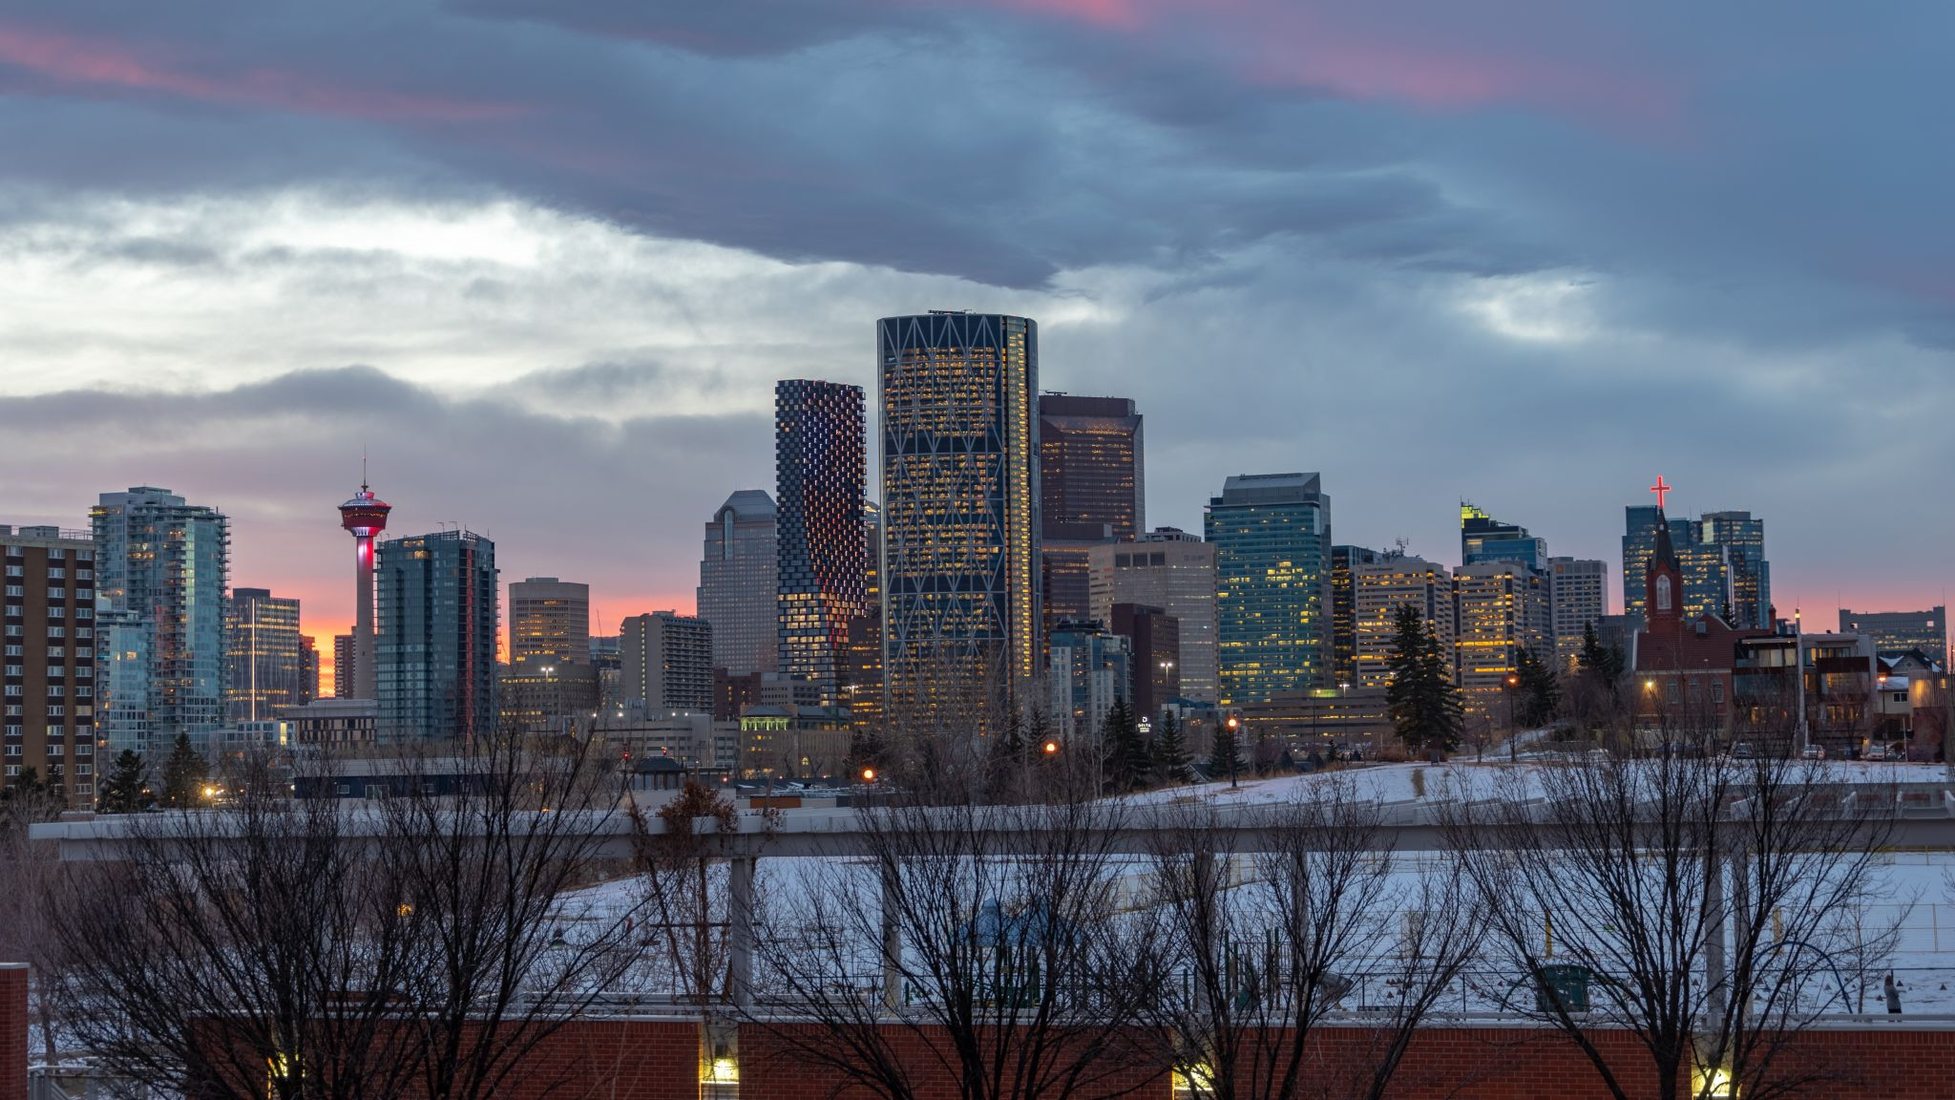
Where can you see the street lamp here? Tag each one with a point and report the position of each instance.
(1513, 735)
(1235, 747)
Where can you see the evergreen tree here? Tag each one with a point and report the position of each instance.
(1601, 664)
(28, 786)
(184, 775)
(1124, 752)
(1540, 691)
(1225, 755)
(126, 788)
(1170, 752)
(1423, 703)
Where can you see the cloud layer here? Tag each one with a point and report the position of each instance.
(545, 259)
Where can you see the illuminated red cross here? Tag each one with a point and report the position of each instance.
(1661, 490)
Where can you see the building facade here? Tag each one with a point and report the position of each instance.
(1154, 642)
(820, 474)
(345, 658)
(49, 684)
(162, 567)
(1091, 668)
(1901, 631)
(960, 500)
(1576, 590)
(1092, 489)
(266, 655)
(1272, 562)
(549, 622)
(1344, 610)
(1502, 608)
(1483, 538)
(1743, 538)
(738, 582)
(1379, 589)
(859, 679)
(1175, 571)
(437, 617)
(665, 663)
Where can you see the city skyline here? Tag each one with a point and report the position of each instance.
(1489, 241)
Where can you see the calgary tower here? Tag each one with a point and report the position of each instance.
(366, 516)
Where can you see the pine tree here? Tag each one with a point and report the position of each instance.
(1540, 690)
(1423, 703)
(184, 774)
(126, 788)
(1225, 755)
(1601, 664)
(1170, 752)
(1125, 752)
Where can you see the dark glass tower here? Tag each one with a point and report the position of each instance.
(1091, 491)
(435, 647)
(1272, 577)
(820, 465)
(960, 498)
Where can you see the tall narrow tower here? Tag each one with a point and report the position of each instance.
(366, 516)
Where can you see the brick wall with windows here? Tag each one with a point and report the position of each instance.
(47, 660)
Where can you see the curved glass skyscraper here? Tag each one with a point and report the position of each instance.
(820, 464)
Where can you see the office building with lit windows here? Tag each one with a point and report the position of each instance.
(960, 501)
(859, 678)
(1501, 608)
(1092, 490)
(1378, 589)
(1091, 669)
(551, 678)
(1483, 538)
(436, 624)
(266, 655)
(738, 583)
(1743, 539)
(1343, 610)
(162, 566)
(1896, 632)
(1576, 590)
(1272, 563)
(820, 471)
(1173, 570)
(48, 685)
(1721, 554)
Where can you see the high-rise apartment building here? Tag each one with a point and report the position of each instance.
(665, 662)
(1092, 489)
(265, 653)
(1576, 588)
(161, 570)
(1344, 610)
(1090, 669)
(48, 686)
(960, 500)
(1379, 588)
(1743, 538)
(1502, 608)
(738, 583)
(1272, 562)
(1483, 538)
(1900, 631)
(1173, 570)
(820, 474)
(435, 641)
(345, 661)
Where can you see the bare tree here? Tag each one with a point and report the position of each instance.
(1701, 896)
(241, 952)
(1262, 947)
(30, 874)
(996, 938)
(486, 844)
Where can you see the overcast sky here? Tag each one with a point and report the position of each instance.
(544, 258)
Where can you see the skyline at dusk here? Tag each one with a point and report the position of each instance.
(544, 263)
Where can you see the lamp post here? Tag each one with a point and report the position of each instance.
(1513, 735)
(1235, 747)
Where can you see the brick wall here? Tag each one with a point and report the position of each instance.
(13, 1031)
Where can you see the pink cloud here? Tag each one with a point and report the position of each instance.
(94, 63)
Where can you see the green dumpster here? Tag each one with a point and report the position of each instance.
(1562, 983)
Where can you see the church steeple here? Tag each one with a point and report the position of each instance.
(1663, 583)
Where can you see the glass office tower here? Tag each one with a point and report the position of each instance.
(1272, 563)
(960, 499)
(820, 466)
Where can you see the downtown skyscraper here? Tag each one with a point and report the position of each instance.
(161, 569)
(960, 500)
(435, 646)
(49, 672)
(820, 470)
(738, 583)
(1272, 573)
(1092, 490)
